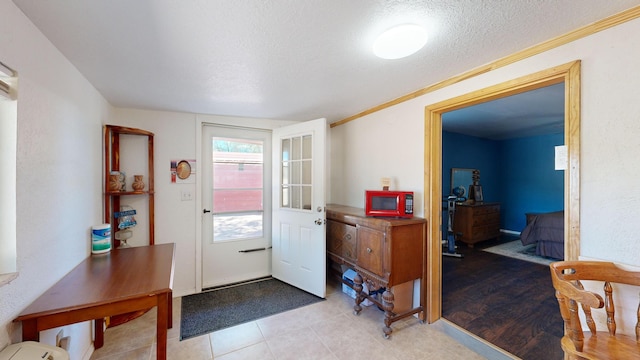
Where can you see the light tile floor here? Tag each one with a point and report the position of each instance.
(325, 330)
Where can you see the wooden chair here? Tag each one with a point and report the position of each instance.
(566, 276)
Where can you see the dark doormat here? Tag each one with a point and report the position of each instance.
(218, 309)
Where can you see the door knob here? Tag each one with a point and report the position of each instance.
(318, 221)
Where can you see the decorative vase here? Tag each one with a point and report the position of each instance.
(123, 181)
(114, 182)
(137, 185)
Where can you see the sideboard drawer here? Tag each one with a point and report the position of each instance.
(341, 239)
(370, 245)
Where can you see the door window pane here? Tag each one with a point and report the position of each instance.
(306, 147)
(296, 148)
(286, 144)
(237, 226)
(225, 201)
(295, 172)
(295, 187)
(285, 173)
(238, 174)
(295, 197)
(306, 197)
(306, 172)
(285, 194)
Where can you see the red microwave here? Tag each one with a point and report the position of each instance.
(388, 203)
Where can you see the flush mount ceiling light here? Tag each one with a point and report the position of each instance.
(400, 41)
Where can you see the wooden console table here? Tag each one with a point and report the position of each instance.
(384, 252)
(103, 285)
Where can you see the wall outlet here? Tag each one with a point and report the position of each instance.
(186, 195)
(65, 342)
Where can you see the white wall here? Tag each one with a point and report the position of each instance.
(609, 199)
(388, 143)
(59, 171)
(177, 221)
(174, 219)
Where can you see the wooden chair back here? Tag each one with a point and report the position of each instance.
(567, 277)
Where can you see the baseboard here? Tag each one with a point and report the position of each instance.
(473, 342)
(184, 292)
(88, 352)
(510, 232)
(238, 283)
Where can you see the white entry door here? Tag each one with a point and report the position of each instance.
(237, 204)
(299, 247)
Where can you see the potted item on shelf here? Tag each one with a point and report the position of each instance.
(138, 184)
(114, 182)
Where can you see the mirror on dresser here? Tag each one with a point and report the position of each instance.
(461, 177)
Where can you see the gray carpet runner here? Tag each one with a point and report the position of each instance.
(218, 309)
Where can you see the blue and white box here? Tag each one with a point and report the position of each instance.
(348, 276)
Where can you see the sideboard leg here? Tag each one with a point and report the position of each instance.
(387, 303)
(357, 286)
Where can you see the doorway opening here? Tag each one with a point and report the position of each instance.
(569, 74)
(509, 144)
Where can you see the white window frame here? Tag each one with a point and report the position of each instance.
(8, 154)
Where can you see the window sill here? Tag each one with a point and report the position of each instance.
(7, 278)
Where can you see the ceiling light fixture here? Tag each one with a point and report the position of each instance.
(400, 41)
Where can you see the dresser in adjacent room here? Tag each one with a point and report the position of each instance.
(384, 253)
(477, 222)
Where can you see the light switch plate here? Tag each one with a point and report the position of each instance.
(186, 195)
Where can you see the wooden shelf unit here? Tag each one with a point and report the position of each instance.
(112, 163)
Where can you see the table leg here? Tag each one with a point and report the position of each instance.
(162, 325)
(99, 330)
(30, 330)
(170, 296)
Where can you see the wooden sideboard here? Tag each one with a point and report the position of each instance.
(383, 252)
(473, 223)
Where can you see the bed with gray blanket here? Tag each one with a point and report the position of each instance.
(546, 230)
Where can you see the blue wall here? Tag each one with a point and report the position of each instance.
(518, 173)
(529, 181)
(461, 151)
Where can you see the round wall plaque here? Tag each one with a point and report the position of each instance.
(183, 169)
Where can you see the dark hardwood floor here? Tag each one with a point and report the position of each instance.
(508, 302)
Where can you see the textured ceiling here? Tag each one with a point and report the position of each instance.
(288, 59)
